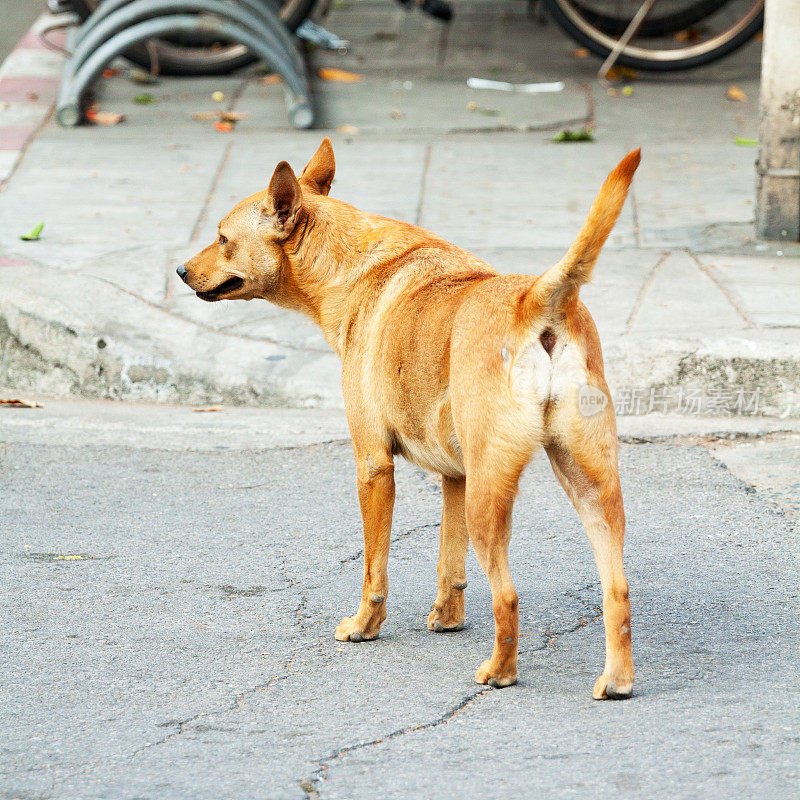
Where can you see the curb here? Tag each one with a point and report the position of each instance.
(29, 79)
(68, 335)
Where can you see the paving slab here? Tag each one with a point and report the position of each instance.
(515, 195)
(678, 296)
(766, 294)
(385, 177)
(395, 106)
(96, 201)
(384, 38)
(94, 339)
(683, 188)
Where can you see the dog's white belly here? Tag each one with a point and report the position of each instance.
(432, 457)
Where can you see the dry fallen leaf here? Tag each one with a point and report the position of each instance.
(338, 75)
(270, 80)
(223, 127)
(580, 52)
(205, 116)
(618, 72)
(232, 116)
(735, 93)
(347, 129)
(396, 113)
(208, 408)
(17, 403)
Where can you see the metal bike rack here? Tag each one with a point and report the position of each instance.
(117, 25)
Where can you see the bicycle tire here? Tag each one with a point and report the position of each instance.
(192, 59)
(664, 25)
(565, 14)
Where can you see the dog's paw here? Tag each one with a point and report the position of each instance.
(608, 689)
(495, 676)
(350, 631)
(447, 613)
(444, 620)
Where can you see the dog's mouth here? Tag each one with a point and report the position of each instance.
(226, 287)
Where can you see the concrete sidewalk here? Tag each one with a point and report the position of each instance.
(688, 304)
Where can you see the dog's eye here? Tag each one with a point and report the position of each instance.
(223, 239)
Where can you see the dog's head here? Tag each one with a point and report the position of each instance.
(248, 256)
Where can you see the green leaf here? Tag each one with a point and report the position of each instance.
(567, 135)
(33, 234)
(743, 141)
(144, 99)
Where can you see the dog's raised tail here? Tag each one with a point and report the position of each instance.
(559, 286)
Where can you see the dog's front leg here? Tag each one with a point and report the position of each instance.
(375, 475)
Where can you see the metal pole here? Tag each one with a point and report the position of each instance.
(778, 166)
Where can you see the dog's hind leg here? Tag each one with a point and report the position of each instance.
(447, 613)
(489, 500)
(375, 477)
(584, 459)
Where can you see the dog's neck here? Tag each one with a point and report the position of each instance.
(332, 247)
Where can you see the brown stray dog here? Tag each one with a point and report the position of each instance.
(461, 370)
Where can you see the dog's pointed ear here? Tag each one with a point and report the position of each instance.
(318, 173)
(283, 199)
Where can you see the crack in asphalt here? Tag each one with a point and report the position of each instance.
(311, 785)
(594, 612)
(239, 699)
(394, 539)
(301, 615)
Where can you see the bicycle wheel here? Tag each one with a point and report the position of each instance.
(182, 56)
(681, 14)
(722, 32)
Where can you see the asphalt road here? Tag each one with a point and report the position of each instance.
(170, 591)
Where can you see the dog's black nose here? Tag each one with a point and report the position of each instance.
(182, 272)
